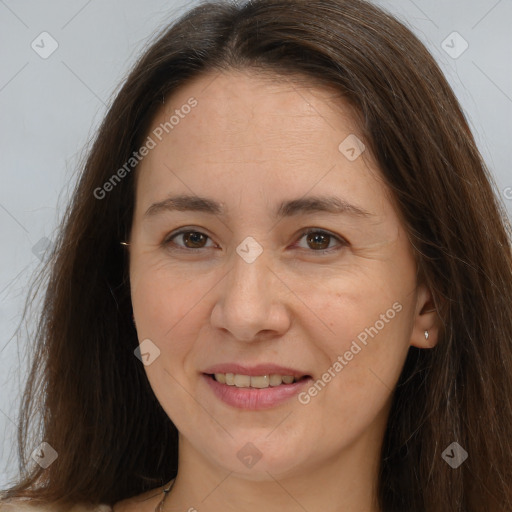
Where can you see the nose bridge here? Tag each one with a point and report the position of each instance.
(249, 302)
(250, 269)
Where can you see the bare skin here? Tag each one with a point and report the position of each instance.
(250, 144)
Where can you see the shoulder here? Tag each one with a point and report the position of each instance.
(23, 505)
(146, 501)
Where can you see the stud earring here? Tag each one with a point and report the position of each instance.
(426, 335)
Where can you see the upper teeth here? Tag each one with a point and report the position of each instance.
(246, 381)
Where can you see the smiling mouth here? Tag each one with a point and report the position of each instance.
(255, 381)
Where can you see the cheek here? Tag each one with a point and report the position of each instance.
(164, 306)
(369, 354)
(365, 347)
(164, 300)
(361, 307)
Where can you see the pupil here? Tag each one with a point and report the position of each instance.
(314, 238)
(194, 237)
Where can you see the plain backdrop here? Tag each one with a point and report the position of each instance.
(50, 108)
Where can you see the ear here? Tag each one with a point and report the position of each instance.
(425, 319)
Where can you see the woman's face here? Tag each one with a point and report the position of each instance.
(227, 282)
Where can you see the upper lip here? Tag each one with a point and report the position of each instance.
(253, 371)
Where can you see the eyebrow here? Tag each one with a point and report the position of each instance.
(310, 204)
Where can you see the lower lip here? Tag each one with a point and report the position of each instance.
(254, 398)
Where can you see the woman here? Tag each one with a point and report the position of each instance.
(284, 282)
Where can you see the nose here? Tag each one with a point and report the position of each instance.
(251, 302)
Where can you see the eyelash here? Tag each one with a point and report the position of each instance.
(308, 231)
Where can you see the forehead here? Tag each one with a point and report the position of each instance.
(243, 97)
(263, 123)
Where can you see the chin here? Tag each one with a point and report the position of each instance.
(257, 460)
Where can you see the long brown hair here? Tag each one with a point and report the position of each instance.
(96, 406)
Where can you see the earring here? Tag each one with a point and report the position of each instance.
(124, 243)
(426, 335)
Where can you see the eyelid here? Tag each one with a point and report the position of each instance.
(168, 238)
(342, 242)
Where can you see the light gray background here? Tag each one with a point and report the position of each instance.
(51, 107)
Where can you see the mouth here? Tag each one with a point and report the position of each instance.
(255, 381)
(255, 388)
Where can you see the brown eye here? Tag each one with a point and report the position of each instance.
(319, 241)
(195, 239)
(190, 239)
